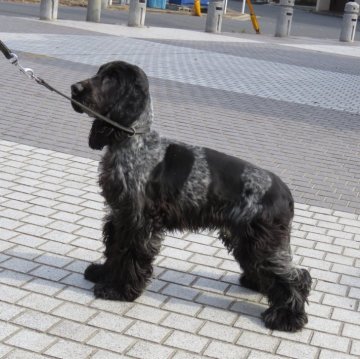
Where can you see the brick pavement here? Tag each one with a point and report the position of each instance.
(50, 209)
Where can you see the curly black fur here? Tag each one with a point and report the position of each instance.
(152, 185)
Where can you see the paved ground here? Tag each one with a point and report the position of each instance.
(289, 109)
(305, 23)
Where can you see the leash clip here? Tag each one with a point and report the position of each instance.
(13, 59)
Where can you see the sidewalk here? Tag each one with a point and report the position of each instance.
(289, 109)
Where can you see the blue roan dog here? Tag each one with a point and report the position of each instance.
(153, 184)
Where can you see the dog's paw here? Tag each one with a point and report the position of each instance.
(247, 282)
(284, 319)
(106, 291)
(95, 272)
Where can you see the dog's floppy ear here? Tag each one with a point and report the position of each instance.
(99, 135)
(135, 93)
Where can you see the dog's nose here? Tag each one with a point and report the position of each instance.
(76, 88)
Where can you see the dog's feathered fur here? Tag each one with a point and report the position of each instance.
(152, 185)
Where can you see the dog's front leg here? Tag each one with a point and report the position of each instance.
(128, 266)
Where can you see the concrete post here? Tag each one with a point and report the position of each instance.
(283, 25)
(93, 11)
(137, 11)
(214, 16)
(104, 4)
(49, 9)
(349, 22)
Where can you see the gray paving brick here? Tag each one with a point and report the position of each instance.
(8, 311)
(339, 302)
(6, 329)
(74, 331)
(11, 294)
(65, 349)
(23, 354)
(208, 272)
(225, 351)
(220, 332)
(329, 341)
(29, 339)
(39, 302)
(346, 316)
(331, 354)
(43, 286)
(217, 315)
(325, 275)
(182, 306)
(296, 350)
(151, 332)
(177, 277)
(182, 322)
(109, 321)
(74, 312)
(35, 320)
(102, 354)
(145, 350)
(332, 288)
(319, 310)
(211, 285)
(51, 273)
(351, 331)
(14, 278)
(186, 341)
(180, 291)
(258, 341)
(325, 325)
(111, 341)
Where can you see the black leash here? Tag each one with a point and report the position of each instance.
(131, 131)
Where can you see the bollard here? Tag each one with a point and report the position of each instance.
(104, 4)
(137, 11)
(283, 25)
(214, 16)
(93, 10)
(49, 9)
(350, 17)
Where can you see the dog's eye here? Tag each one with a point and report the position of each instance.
(106, 82)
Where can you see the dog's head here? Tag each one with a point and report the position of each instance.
(119, 91)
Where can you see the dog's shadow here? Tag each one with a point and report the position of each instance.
(68, 283)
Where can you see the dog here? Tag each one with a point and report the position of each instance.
(153, 184)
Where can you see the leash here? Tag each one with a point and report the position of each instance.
(13, 58)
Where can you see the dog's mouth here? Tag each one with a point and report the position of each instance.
(76, 107)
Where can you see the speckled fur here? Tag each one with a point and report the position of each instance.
(153, 184)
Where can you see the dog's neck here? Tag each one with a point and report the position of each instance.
(147, 117)
(143, 122)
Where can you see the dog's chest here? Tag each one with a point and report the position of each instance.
(128, 168)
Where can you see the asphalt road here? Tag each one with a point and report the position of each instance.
(305, 23)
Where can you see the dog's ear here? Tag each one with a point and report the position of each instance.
(135, 94)
(99, 135)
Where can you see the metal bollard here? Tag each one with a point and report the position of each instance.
(214, 16)
(49, 9)
(283, 25)
(350, 17)
(93, 11)
(137, 11)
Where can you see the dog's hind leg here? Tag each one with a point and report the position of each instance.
(236, 243)
(264, 254)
